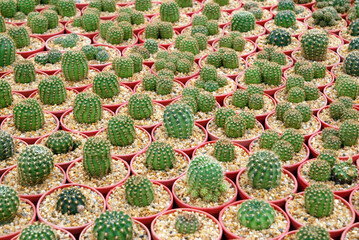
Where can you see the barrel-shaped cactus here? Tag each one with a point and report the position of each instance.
(112, 225)
(235, 126)
(9, 203)
(24, 71)
(7, 50)
(28, 115)
(105, 84)
(224, 150)
(74, 66)
(20, 36)
(222, 114)
(123, 67)
(169, 12)
(52, 91)
(187, 223)
(66, 8)
(256, 214)
(140, 106)
(319, 200)
(37, 231)
(160, 156)
(178, 120)
(121, 130)
(6, 97)
(243, 22)
(8, 8)
(310, 231)
(71, 201)
(314, 44)
(61, 142)
(87, 108)
(349, 133)
(212, 11)
(344, 172)
(139, 191)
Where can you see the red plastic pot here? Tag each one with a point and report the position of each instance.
(87, 133)
(48, 72)
(280, 202)
(230, 235)
(3, 170)
(147, 63)
(284, 68)
(244, 142)
(306, 137)
(330, 100)
(329, 67)
(299, 18)
(262, 22)
(137, 222)
(354, 225)
(214, 211)
(128, 157)
(156, 237)
(315, 153)
(303, 184)
(230, 174)
(119, 47)
(260, 117)
(187, 151)
(104, 190)
(5, 116)
(351, 200)
(62, 230)
(27, 92)
(56, 36)
(336, 31)
(111, 16)
(47, 36)
(33, 219)
(269, 92)
(28, 53)
(32, 140)
(292, 233)
(163, 102)
(147, 128)
(182, 80)
(36, 197)
(245, 55)
(167, 183)
(89, 35)
(81, 5)
(145, 220)
(63, 165)
(165, 45)
(333, 233)
(291, 168)
(335, 48)
(102, 66)
(73, 230)
(58, 113)
(308, 5)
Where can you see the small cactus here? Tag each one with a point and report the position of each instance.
(70, 201)
(187, 223)
(139, 191)
(256, 214)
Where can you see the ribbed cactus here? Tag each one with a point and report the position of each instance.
(224, 150)
(314, 44)
(34, 164)
(243, 22)
(137, 61)
(61, 142)
(206, 102)
(139, 191)
(350, 63)
(240, 98)
(296, 95)
(6, 97)
(7, 50)
(97, 157)
(123, 67)
(344, 172)
(272, 73)
(9, 203)
(8, 8)
(20, 36)
(66, 8)
(74, 66)
(105, 84)
(320, 170)
(112, 225)
(7, 146)
(28, 115)
(212, 11)
(52, 90)
(294, 81)
(319, 200)
(256, 214)
(336, 110)
(26, 6)
(349, 133)
(143, 5)
(284, 150)
(87, 108)
(285, 18)
(205, 178)
(279, 37)
(264, 170)
(169, 12)
(24, 71)
(256, 101)
(90, 22)
(52, 18)
(187, 223)
(121, 130)
(71, 201)
(222, 114)
(293, 119)
(310, 231)
(140, 106)
(268, 138)
(328, 155)
(54, 56)
(37, 231)
(39, 24)
(235, 126)
(178, 120)
(160, 156)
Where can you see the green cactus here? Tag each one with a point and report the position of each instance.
(285, 18)
(222, 114)
(286, 5)
(7, 146)
(52, 18)
(256, 101)
(137, 62)
(26, 6)
(349, 133)
(350, 63)
(353, 45)
(164, 85)
(121, 130)
(189, 44)
(160, 156)
(252, 75)
(284, 150)
(87, 108)
(74, 66)
(90, 21)
(105, 84)
(206, 102)
(235, 126)
(307, 72)
(281, 108)
(113, 224)
(70, 201)
(212, 11)
(187, 223)
(272, 74)
(256, 214)
(140, 106)
(61, 142)
(347, 101)
(224, 150)
(311, 92)
(344, 172)
(34, 164)
(230, 59)
(305, 110)
(296, 95)
(20, 36)
(293, 119)
(54, 56)
(169, 12)
(97, 159)
(9, 203)
(37, 231)
(114, 35)
(178, 120)
(328, 155)
(149, 82)
(28, 115)
(151, 45)
(312, 232)
(336, 109)
(123, 67)
(347, 87)
(319, 200)
(294, 81)
(319, 70)
(199, 20)
(314, 43)
(350, 114)
(7, 51)
(137, 18)
(240, 98)
(268, 138)
(24, 72)
(66, 8)
(320, 170)
(139, 191)
(243, 21)
(250, 119)
(127, 30)
(8, 8)
(293, 137)
(214, 59)
(52, 90)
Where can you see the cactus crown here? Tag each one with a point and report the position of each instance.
(28, 115)
(121, 130)
(38, 231)
(9, 203)
(312, 232)
(87, 108)
(319, 200)
(178, 120)
(187, 223)
(139, 191)
(71, 201)
(61, 142)
(160, 156)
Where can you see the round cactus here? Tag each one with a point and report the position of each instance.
(61, 142)
(296, 95)
(52, 90)
(123, 67)
(9, 203)
(169, 12)
(66, 8)
(105, 84)
(121, 130)
(54, 56)
(113, 224)
(336, 109)
(7, 146)
(20, 36)
(243, 22)
(285, 18)
(28, 115)
(206, 102)
(224, 150)
(284, 150)
(140, 106)
(178, 121)
(310, 231)
(87, 108)
(294, 81)
(305, 110)
(235, 126)
(319, 200)
(314, 43)
(38, 231)
(160, 156)
(256, 214)
(8, 8)
(293, 137)
(222, 114)
(212, 11)
(74, 66)
(139, 191)
(349, 133)
(71, 201)
(345, 172)
(187, 223)
(328, 155)
(268, 138)
(24, 72)
(293, 119)
(281, 108)
(256, 101)
(320, 170)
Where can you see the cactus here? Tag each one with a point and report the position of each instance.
(24, 72)
(268, 138)
(286, 5)
(113, 224)
(178, 120)
(105, 84)
(66, 8)
(164, 85)
(137, 62)
(70, 201)
(102, 56)
(222, 114)
(328, 155)
(199, 20)
(7, 51)
(230, 59)
(305, 110)
(285, 18)
(252, 75)
(127, 30)
(151, 45)
(206, 102)
(325, 17)
(256, 214)
(347, 87)
(28, 115)
(293, 137)
(74, 66)
(20, 36)
(235, 126)
(353, 45)
(54, 56)
(336, 110)
(52, 18)
(137, 18)
(9, 203)
(61, 142)
(314, 43)
(284, 150)
(256, 101)
(160, 156)
(187, 223)
(37, 231)
(240, 98)
(320, 170)
(8, 8)
(97, 157)
(311, 92)
(350, 63)
(347, 101)
(52, 91)
(293, 119)
(7, 146)
(139, 191)
(319, 70)
(350, 114)
(344, 172)
(87, 108)
(189, 44)
(307, 72)
(212, 11)
(281, 108)
(296, 95)
(272, 74)
(264, 170)
(26, 6)
(349, 133)
(140, 106)
(243, 22)
(310, 231)
(34, 164)
(149, 82)
(121, 130)
(249, 118)
(319, 200)
(332, 142)
(90, 21)
(123, 67)
(294, 81)
(169, 12)
(104, 28)
(114, 35)
(205, 178)
(224, 150)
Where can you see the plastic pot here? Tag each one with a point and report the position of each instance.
(62, 230)
(47, 36)
(230, 174)
(244, 142)
(145, 220)
(73, 230)
(279, 202)
(87, 133)
(103, 65)
(48, 72)
(168, 183)
(56, 36)
(90, 35)
(333, 233)
(245, 55)
(230, 235)
(165, 45)
(5, 116)
(104, 190)
(187, 151)
(128, 157)
(303, 184)
(33, 219)
(32, 140)
(351, 201)
(33, 198)
(329, 67)
(28, 53)
(119, 47)
(354, 225)
(330, 100)
(214, 211)
(156, 237)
